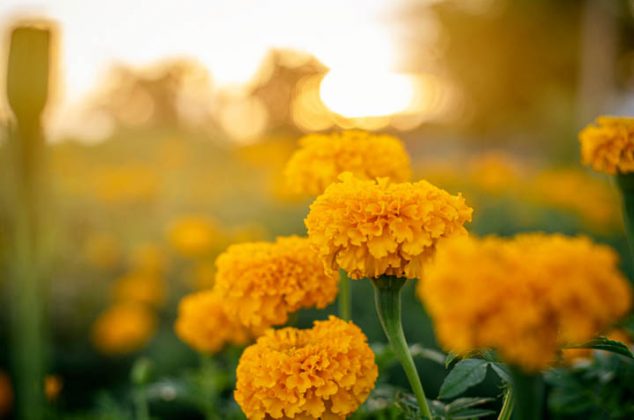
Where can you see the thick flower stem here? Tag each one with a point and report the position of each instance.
(529, 395)
(507, 405)
(344, 297)
(387, 298)
(626, 185)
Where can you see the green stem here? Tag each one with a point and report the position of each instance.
(387, 298)
(209, 386)
(625, 183)
(507, 405)
(140, 404)
(529, 395)
(344, 296)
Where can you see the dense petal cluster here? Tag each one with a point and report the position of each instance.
(374, 228)
(204, 325)
(123, 328)
(325, 372)
(526, 297)
(262, 282)
(322, 158)
(608, 145)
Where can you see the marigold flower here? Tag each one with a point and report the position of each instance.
(525, 297)
(193, 236)
(374, 228)
(53, 385)
(204, 325)
(324, 372)
(123, 328)
(322, 158)
(608, 145)
(6, 394)
(140, 287)
(103, 251)
(149, 258)
(598, 206)
(262, 282)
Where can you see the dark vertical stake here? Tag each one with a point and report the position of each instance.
(27, 92)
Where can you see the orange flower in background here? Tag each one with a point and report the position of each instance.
(126, 184)
(325, 372)
(123, 328)
(495, 172)
(103, 251)
(204, 325)
(262, 282)
(322, 158)
(140, 287)
(375, 228)
(193, 236)
(526, 297)
(598, 206)
(202, 276)
(53, 385)
(148, 258)
(608, 145)
(6, 394)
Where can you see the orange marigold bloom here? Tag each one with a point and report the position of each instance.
(53, 385)
(374, 228)
(193, 236)
(140, 287)
(204, 325)
(525, 297)
(323, 157)
(608, 145)
(124, 328)
(325, 372)
(262, 282)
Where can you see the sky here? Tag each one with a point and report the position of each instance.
(230, 37)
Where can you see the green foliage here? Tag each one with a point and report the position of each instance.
(599, 389)
(605, 344)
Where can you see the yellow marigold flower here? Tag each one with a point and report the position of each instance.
(374, 228)
(598, 206)
(204, 325)
(124, 328)
(322, 158)
(6, 394)
(53, 385)
(608, 145)
(526, 297)
(103, 251)
(262, 282)
(325, 372)
(140, 287)
(193, 236)
(149, 258)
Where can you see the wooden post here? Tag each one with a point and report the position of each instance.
(27, 91)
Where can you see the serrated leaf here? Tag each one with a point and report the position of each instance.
(465, 374)
(605, 344)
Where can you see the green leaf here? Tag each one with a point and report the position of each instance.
(502, 371)
(450, 358)
(430, 354)
(605, 344)
(464, 403)
(472, 413)
(464, 375)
